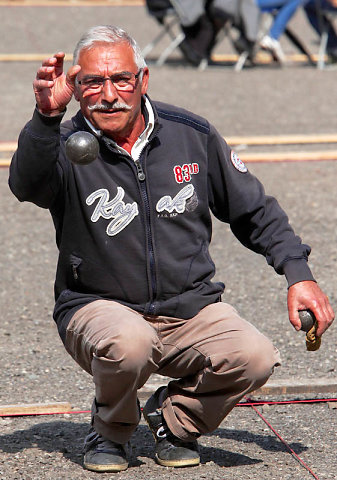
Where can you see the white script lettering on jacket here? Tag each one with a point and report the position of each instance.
(177, 203)
(120, 213)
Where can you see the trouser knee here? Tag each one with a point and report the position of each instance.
(258, 361)
(132, 347)
(251, 365)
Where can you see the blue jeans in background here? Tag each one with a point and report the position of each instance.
(285, 10)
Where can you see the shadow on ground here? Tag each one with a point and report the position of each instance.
(67, 438)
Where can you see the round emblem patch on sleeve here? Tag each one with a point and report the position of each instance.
(238, 164)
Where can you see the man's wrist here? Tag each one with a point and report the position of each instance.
(45, 125)
(297, 270)
(50, 113)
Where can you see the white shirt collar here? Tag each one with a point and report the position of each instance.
(144, 136)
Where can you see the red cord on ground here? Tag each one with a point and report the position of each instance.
(284, 442)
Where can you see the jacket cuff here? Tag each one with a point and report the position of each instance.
(45, 125)
(297, 271)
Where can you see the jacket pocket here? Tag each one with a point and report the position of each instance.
(92, 277)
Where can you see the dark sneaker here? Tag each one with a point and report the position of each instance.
(103, 455)
(170, 450)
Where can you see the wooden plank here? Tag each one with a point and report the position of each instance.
(5, 162)
(288, 386)
(302, 156)
(282, 139)
(8, 146)
(34, 408)
(71, 3)
(29, 57)
(264, 58)
(296, 387)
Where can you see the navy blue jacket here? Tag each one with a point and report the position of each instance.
(144, 242)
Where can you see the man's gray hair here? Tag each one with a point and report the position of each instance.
(108, 34)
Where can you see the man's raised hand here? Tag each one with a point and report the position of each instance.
(52, 87)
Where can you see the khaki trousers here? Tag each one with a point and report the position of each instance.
(214, 359)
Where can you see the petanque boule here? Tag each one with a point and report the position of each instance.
(309, 325)
(307, 319)
(82, 148)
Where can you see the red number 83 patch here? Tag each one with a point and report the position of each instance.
(183, 173)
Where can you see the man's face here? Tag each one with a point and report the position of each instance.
(121, 111)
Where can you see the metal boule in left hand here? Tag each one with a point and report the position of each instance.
(82, 148)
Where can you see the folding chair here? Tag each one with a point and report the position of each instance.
(166, 16)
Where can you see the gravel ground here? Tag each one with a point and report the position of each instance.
(35, 367)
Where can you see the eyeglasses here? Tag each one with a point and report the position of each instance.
(124, 81)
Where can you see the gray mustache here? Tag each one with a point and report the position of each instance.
(109, 106)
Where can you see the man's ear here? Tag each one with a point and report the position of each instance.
(145, 80)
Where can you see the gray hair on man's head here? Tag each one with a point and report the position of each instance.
(108, 34)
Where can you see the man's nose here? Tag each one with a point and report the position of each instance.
(109, 91)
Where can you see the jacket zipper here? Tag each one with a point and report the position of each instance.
(75, 274)
(141, 177)
(140, 171)
(75, 262)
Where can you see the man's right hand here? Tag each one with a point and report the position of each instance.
(52, 87)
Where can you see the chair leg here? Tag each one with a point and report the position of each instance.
(150, 46)
(203, 65)
(297, 42)
(167, 52)
(241, 61)
(322, 50)
(166, 30)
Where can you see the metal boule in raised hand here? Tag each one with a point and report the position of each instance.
(307, 319)
(82, 148)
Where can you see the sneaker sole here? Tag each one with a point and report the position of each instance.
(178, 463)
(106, 468)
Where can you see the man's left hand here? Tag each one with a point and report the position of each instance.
(308, 296)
